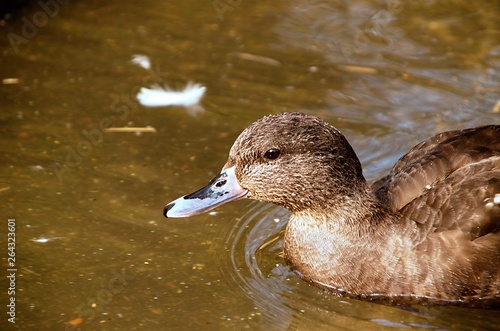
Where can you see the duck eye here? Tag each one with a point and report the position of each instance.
(272, 154)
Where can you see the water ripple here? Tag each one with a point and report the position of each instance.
(255, 263)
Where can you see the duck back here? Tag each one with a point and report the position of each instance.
(449, 186)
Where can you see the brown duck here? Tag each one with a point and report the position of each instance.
(430, 230)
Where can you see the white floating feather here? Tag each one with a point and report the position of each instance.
(141, 60)
(158, 96)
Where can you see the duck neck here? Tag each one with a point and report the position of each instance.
(356, 207)
(331, 245)
(352, 215)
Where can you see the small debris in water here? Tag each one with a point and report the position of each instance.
(142, 61)
(10, 81)
(496, 108)
(131, 129)
(44, 240)
(198, 266)
(359, 70)
(257, 58)
(76, 321)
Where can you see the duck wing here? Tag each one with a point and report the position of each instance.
(446, 193)
(430, 164)
(414, 155)
(468, 200)
(451, 181)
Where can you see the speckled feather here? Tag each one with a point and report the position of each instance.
(428, 230)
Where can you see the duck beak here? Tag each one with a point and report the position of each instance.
(223, 188)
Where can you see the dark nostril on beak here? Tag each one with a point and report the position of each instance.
(220, 183)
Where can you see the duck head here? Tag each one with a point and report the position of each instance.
(293, 160)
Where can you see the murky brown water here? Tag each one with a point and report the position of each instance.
(91, 241)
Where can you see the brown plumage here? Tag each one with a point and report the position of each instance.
(430, 230)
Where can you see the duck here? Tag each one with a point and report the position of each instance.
(428, 232)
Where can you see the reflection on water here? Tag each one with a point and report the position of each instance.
(88, 202)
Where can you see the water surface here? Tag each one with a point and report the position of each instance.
(93, 248)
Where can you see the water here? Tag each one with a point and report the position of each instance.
(92, 246)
